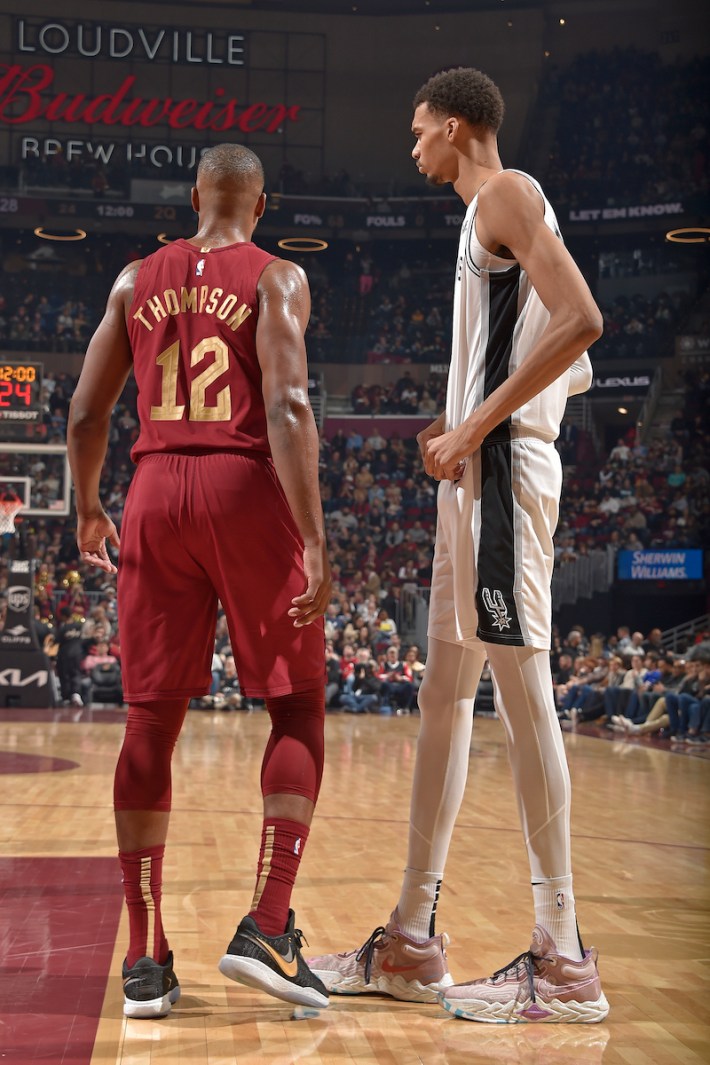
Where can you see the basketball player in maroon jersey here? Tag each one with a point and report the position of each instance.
(224, 506)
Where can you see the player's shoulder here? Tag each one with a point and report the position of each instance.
(512, 195)
(281, 273)
(125, 281)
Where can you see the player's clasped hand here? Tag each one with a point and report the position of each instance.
(446, 454)
(91, 538)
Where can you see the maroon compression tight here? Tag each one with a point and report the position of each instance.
(143, 780)
(292, 764)
(293, 759)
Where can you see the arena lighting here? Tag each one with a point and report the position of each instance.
(302, 244)
(163, 238)
(622, 410)
(78, 234)
(703, 235)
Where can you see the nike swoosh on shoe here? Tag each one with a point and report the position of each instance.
(288, 964)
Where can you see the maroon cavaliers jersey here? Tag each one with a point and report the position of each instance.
(192, 326)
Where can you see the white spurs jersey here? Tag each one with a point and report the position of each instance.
(498, 318)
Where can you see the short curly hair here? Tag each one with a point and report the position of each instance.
(466, 93)
(231, 163)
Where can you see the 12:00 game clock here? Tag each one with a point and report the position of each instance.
(20, 391)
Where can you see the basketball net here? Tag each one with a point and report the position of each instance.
(9, 509)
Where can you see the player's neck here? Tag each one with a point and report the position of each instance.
(219, 235)
(475, 168)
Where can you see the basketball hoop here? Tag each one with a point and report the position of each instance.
(10, 505)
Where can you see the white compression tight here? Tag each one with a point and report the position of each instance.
(524, 703)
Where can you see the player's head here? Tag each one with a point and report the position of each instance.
(229, 182)
(451, 104)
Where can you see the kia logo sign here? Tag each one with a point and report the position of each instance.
(14, 678)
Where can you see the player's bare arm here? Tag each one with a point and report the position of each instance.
(284, 310)
(104, 373)
(510, 221)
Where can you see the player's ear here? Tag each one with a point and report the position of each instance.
(260, 205)
(195, 200)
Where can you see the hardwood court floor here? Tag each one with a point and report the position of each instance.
(641, 838)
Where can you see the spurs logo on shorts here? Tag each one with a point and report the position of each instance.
(496, 607)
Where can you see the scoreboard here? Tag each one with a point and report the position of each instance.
(21, 392)
(14, 208)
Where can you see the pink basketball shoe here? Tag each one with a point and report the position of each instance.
(388, 963)
(539, 985)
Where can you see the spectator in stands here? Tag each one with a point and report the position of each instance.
(100, 669)
(413, 660)
(586, 693)
(363, 694)
(630, 644)
(229, 694)
(657, 719)
(397, 679)
(616, 697)
(333, 677)
(574, 645)
(679, 702)
(70, 654)
(654, 642)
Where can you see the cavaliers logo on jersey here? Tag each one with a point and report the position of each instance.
(495, 605)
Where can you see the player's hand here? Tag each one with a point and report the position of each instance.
(429, 433)
(91, 536)
(313, 602)
(447, 453)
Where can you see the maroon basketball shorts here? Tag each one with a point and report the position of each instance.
(203, 529)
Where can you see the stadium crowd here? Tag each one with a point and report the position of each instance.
(407, 311)
(616, 142)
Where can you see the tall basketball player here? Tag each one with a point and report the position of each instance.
(523, 318)
(224, 506)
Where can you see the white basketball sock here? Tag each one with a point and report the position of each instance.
(416, 909)
(555, 912)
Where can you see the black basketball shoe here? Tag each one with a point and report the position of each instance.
(149, 989)
(273, 964)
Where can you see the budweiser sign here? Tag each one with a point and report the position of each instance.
(28, 94)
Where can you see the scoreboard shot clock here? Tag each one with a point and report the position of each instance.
(20, 393)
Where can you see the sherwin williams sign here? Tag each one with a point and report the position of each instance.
(672, 565)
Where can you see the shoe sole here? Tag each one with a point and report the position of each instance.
(554, 1012)
(154, 1007)
(396, 987)
(254, 974)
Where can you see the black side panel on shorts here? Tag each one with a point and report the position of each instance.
(502, 316)
(498, 620)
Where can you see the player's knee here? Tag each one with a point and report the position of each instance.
(300, 716)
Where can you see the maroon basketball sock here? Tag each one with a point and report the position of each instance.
(282, 844)
(143, 888)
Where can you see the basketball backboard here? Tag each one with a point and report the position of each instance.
(39, 474)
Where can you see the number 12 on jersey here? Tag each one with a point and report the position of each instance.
(199, 411)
